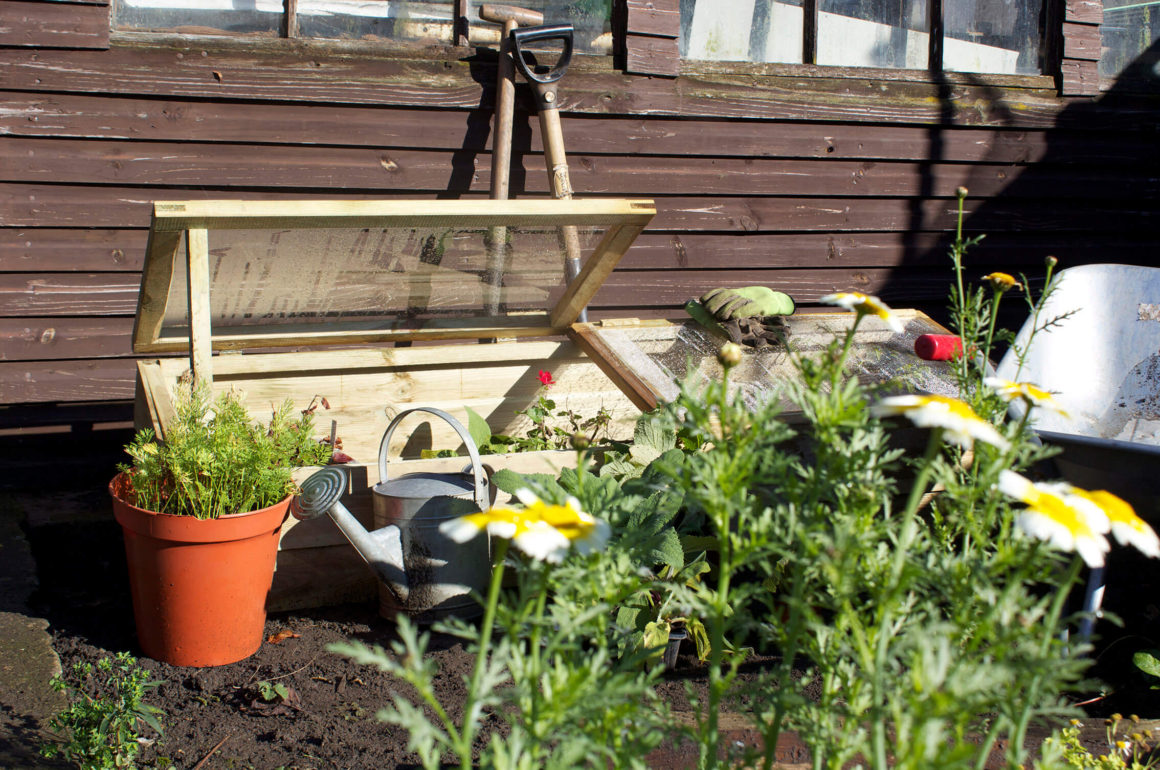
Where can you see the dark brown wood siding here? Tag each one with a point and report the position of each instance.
(810, 180)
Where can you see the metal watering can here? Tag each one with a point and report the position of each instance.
(421, 572)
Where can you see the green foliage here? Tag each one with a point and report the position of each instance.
(1148, 661)
(912, 630)
(1125, 751)
(102, 725)
(272, 691)
(215, 460)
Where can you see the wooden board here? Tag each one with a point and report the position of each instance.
(279, 126)
(57, 24)
(45, 205)
(250, 72)
(367, 387)
(310, 168)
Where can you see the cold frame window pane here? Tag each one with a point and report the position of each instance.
(1130, 28)
(1001, 36)
(873, 33)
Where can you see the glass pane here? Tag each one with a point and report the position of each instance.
(590, 18)
(310, 278)
(1130, 27)
(993, 36)
(377, 19)
(873, 33)
(201, 17)
(741, 30)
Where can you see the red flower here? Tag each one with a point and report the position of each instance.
(546, 379)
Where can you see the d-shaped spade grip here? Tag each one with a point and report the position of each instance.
(382, 549)
(525, 35)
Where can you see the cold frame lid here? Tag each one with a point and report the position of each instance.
(225, 275)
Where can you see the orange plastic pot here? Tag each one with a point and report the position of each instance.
(199, 585)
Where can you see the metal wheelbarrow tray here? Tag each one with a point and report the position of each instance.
(1103, 365)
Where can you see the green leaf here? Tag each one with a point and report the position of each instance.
(1148, 661)
(477, 427)
(666, 549)
(656, 636)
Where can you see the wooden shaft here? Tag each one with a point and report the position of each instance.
(557, 162)
(502, 14)
(505, 100)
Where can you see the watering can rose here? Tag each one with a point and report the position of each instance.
(541, 530)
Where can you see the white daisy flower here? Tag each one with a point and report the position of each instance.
(957, 420)
(864, 304)
(1055, 514)
(1031, 394)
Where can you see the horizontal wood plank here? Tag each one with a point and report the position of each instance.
(85, 249)
(80, 250)
(85, 116)
(645, 55)
(45, 339)
(318, 168)
(653, 17)
(26, 205)
(68, 294)
(30, 24)
(1080, 78)
(238, 74)
(1081, 41)
(1085, 11)
(98, 379)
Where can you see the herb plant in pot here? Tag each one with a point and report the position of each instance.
(201, 513)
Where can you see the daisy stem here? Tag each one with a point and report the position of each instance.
(846, 345)
(991, 327)
(464, 748)
(905, 537)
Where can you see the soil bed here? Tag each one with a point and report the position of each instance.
(329, 721)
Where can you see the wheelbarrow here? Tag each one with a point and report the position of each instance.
(1102, 364)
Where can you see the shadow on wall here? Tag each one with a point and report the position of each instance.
(1090, 193)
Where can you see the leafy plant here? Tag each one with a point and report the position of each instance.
(101, 728)
(215, 460)
(542, 435)
(1127, 751)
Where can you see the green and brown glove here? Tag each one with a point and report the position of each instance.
(748, 316)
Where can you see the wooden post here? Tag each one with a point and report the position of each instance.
(200, 331)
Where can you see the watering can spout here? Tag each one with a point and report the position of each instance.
(388, 561)
(382, 549)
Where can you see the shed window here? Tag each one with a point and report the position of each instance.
(426, 21)
(997, 36)
(1130, 28)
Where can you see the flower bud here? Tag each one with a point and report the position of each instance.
(1051, 261)
(729, 355)
(580, 442)
(960, 192)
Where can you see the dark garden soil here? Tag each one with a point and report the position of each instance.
(328, 720)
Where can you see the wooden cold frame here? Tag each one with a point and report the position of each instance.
(194, 220)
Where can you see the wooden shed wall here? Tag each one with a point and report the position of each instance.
(778, 175)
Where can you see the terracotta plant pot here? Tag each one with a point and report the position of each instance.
(199, 585)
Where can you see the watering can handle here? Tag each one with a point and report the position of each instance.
(480, 479)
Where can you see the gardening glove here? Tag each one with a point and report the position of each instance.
(747, 302)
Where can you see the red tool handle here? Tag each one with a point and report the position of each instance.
(938, 347)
